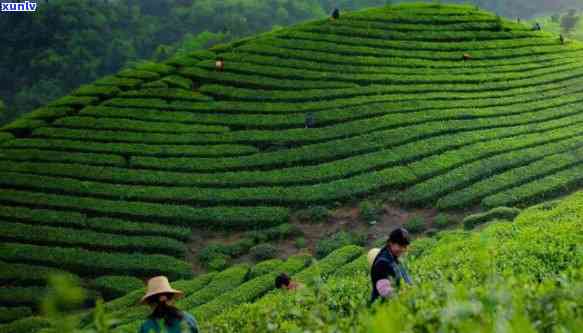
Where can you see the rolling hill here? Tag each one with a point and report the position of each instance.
(107, 183)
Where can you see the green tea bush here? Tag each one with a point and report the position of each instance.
(112, 287)
(443, 221)
(416, 224)
(263, 252)
(9, 314)
(499, 213)
(314, 214)
(341, 239)
(370, 210)
(300, 243)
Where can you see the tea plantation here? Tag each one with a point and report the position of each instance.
(526, 275)
(449, 106)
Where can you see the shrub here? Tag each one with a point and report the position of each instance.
(14, 313)
(341, 239)
(499, 213)
(265, 267)
(116, 286)
(442, 221)
(416, 224)
(300, 242)
(218, 262)
(314, 214)
(263, 252)
(370, 210)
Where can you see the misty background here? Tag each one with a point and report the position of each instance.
(66, 43)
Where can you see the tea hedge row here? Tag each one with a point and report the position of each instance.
(89, 263)
(198, 74)
(430, 35)
(70, 219)
(116, 286)
(332, 58)
(59, 156)
(509, 179)
(273, 71)
(439, 55)
(167, 94)
(64, 237)
(14, 274)
(234, 93)
(213, 217)
(382, 126)
(9, 314)
(469, 173)
(503, 213)
(538, 190)
(309, 174)
(343, 148)
(256, 59)
(137, 126)
(66, 147)
(296, 195)
(19, 296)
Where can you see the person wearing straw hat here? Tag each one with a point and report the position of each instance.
(165, 318)
(385, 266)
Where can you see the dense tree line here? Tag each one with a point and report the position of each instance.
(66, 43)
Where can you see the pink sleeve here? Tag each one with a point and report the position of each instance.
(384, 287)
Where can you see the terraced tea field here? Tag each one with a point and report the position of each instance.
(109, 181)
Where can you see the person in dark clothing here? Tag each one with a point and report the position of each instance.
(335, 14)
(310, 121)
(537, 27)
(165, 316)
(562, 38)
(386, 266)
(283, 281)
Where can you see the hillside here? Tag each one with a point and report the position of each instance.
(524, 274)
(110, 182)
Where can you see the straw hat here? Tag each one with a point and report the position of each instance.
(371, 256)
(160, 285)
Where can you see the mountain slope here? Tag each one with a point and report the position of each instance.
(116, 175)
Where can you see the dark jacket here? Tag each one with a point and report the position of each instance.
(386, 266)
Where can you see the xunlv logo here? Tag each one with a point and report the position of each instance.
(19, 6)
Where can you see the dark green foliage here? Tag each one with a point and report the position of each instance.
(498, 213)
(45, 235)
(442, 221)
(18, 296)
(99, 91)
(341, 239)
(416, 224)
(223, 252)
(26, 325)
(218, 262)
(116, 286)
(263, 252)
(89, 263)
(370, 210)
(9, 314)
(14, 274)
(314, 214)
(300, 242)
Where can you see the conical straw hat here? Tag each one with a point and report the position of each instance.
(372, 254)
(160, 285)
